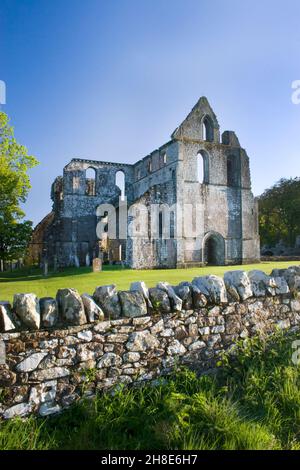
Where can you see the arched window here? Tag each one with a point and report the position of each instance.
(120, 182)
(160, 224)
(207, 129)
(202, 167)
(172, 224)
(90, 178)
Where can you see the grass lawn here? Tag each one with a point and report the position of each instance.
(252, 403)
(82, 279)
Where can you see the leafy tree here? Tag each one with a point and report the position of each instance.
(279, 212)
(14, 187)
(14, 239)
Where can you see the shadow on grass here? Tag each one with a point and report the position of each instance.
(35, 273)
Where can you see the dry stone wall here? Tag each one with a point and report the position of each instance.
(55, 351)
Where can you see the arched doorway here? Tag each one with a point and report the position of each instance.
(213, 249)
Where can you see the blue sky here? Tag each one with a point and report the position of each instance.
(111, 80)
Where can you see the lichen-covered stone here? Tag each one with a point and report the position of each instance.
(107, 298)
(85, 335)
(31, 362)
(47, 409)
(133, 304)
(131, 357)
(184, 292)
(43, 392)
(92, 310)
(22, 409)
(142, 341)
(27, 308)
(49, 311)
(175, 301)
(213, 287)
(281, 286)
(176, 348)
(141, 287)
(240, 281)
(292, 277)
(261, 283)
(109, 360)
(6, 318)
(199, 299)
(71, 308)
(49, 374)
(160, 300)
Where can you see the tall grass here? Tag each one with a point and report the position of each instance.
(252, 402)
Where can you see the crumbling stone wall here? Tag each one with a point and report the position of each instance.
(54, 351)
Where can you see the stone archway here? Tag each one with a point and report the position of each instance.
(213, 249)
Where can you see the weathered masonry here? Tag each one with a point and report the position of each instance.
(197, 166)
(49, 347)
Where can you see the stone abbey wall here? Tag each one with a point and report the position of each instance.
(201, 175)
(54, 351)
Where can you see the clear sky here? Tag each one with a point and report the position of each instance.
(112, 79)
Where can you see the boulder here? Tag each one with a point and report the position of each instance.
(160, 300)
(70, 306)
(27, 309)
(141, 287)
(261, 283)
(184, 292)
(133, 304)
(92, 310)
(107, 298)
(175, 301)
(212, 287)
(6, 318)
(49, 311)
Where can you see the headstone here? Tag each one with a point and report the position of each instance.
(46, 268)
(97, 265)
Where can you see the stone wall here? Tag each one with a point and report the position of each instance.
(54, 351)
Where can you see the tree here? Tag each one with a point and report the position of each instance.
(14, 239)
(279, 212)
(14, 187)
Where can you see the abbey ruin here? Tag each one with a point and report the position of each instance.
(197, 167)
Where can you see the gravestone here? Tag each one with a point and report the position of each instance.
(45, 270)
(97, 265)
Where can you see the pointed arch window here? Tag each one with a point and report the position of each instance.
(90, 178)
(120, 182)
(202, 167)
(207, 129)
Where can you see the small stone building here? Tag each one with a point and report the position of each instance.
(198, 169)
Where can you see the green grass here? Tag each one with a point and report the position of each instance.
(82, 279)
(253, 402)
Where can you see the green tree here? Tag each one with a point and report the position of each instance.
(279, 212)
(14, 187)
